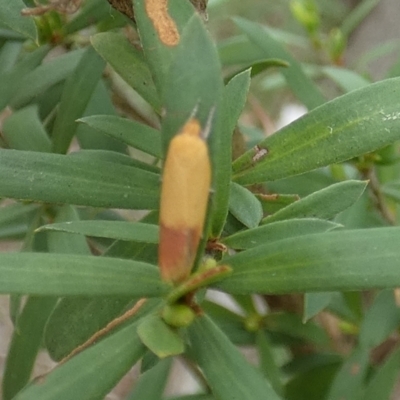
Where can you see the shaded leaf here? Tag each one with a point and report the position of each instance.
(302, 86)
(128, 62)
(79, 86)
(132, 133)
(10, 15)
(236, 89)
(122, 230)
(218, 357)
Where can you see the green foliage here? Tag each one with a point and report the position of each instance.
(86, 122)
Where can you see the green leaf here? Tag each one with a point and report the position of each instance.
(76, 319)
(15, 211)
(158, 55)
(236, 89)
(258, 67)
(277, 231)
(79, 86)
(122, 230)
(151, 384)
(315, 303)
(381, 384)
(183, 94)
(91, 139)
(10, 81)
(382, 318)
(302, 86)
(23, 130)
(244, 206)
(225, 369)
(114, 157)
(267, 362)
(345, 260)
(67, 179)
(194, 397)
(9, 54)
(129, 63)
(92, 373)
(25, 344)
(313, 383)
(159, 337)
(231, 324)
(346, 127)
(347, 80)
(10, 15)
(69, 275)
(132, 133)
(349, 380)
(43, 77)
(324, 204)
(291, 324)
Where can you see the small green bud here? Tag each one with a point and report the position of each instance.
(178, 315)
(306, 13)
(337, 45)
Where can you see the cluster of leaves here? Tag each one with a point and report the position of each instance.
(280, 244)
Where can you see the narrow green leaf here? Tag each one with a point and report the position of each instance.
(78, 86)
(122, 230)
(230, 323)
(10, 81)
(346, 260)
(347, 80)
(23, 130)
(236, 89)
(349, 380)
(258, 67)
(92, 373)
(9, 54)
(129, 63)
(315, 303)
(10, 15)
(25, 344)
(91, 139)
(76, 319)
(324, 204)
(383, 381)
(159, 56)
(277, 231)
(267, 362)
(14, 211)
(382, 318)
(43, 77)
(226, 370)
(130, 132)
(183, 94)
(159, 337)
(302, 86)
(292, 325)
(151, 384)
(271, 203)
(346, 127)
(67, 179)
(244, 206)
(68, 275)
(194, 397)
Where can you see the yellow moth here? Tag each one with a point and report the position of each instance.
(184, 197)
